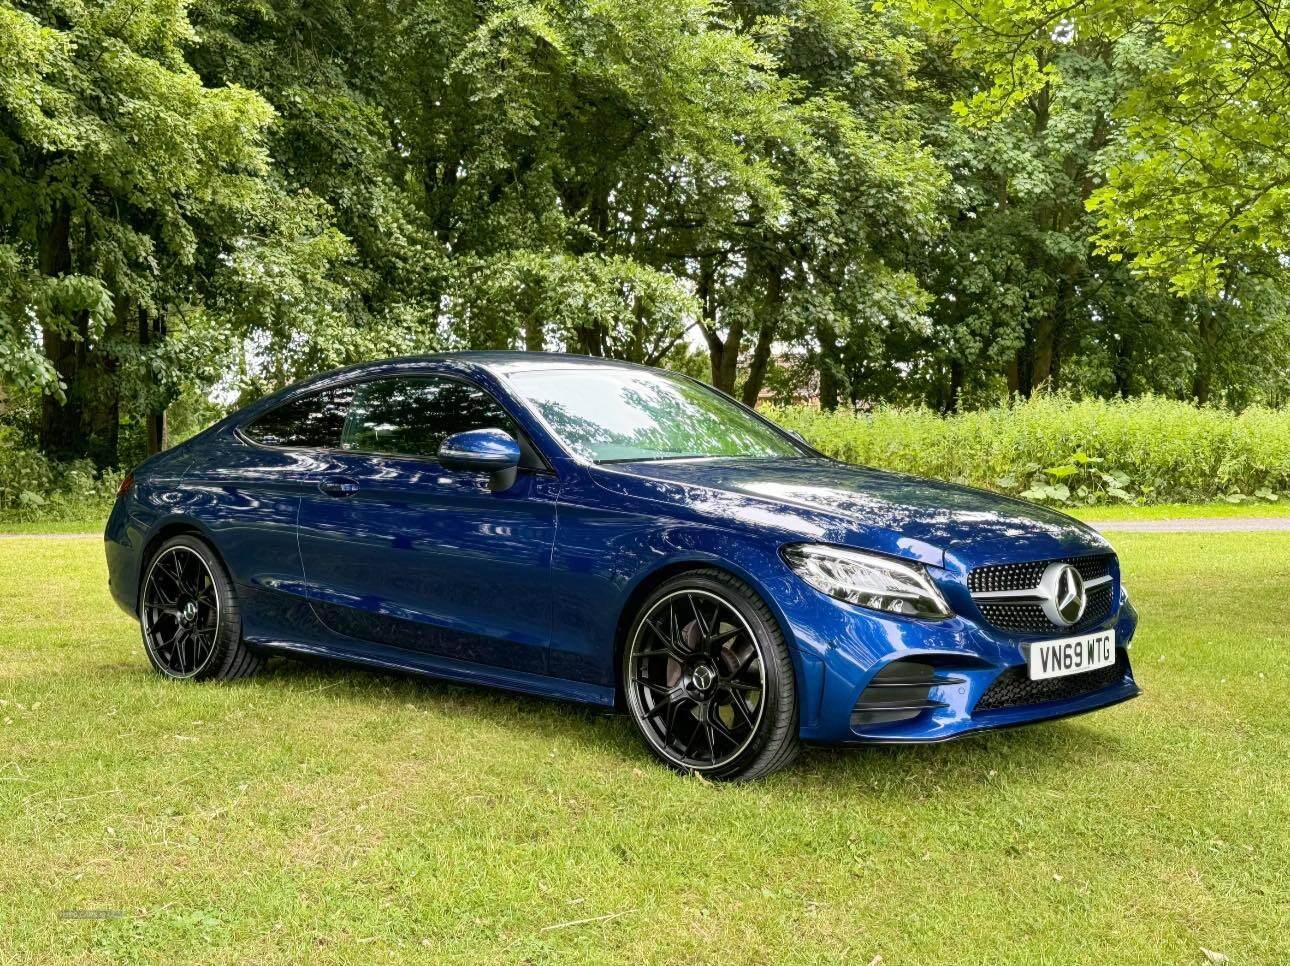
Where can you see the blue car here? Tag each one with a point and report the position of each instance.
(609, 533)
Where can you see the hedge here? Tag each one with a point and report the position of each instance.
(1053, 448)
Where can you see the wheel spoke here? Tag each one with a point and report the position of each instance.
(180, 612)
(710, 660)
(714, 719)
(717, 642)
(737, 702)
(674, 697)
(698, 616)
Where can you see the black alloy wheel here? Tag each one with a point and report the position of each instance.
(189, 615)
(708, 681)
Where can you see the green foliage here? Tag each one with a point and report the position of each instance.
(33, 487)
(915, 202)
(1078, 451)
(1199, 183)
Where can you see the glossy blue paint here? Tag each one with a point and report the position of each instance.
(412, 564)
(479, 451)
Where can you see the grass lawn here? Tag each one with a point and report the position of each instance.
(94, 525)
(1173, 511)
(330, 814)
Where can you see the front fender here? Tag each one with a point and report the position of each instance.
(605, 561)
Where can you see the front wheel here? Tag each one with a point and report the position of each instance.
(708, 680)
(188, 610)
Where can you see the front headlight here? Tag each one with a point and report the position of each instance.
(880, 583)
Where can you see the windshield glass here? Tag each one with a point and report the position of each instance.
(612, 414)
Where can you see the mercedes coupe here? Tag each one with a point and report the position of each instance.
(603, 532)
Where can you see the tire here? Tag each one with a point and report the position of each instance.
(734, 721)
(189, 615)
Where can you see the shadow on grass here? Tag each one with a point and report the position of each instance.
(1029, 754)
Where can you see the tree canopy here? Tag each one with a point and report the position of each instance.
(923, 201)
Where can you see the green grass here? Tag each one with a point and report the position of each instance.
(1174, 511)
(330, 814)
(87, 525)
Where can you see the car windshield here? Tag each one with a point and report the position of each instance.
(614, 414)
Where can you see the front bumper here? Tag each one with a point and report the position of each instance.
(964, 659)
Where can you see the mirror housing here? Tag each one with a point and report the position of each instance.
(491, 451)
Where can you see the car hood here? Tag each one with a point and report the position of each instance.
(822, 499)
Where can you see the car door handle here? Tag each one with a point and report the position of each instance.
(338, 487)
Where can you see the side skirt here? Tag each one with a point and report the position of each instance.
(396, 659)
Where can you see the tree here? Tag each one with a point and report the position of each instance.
(125, 180)
(1200, 178)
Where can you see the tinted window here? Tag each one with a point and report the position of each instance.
(411, 416)
(314, 421)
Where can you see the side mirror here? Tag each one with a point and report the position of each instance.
(491, 451)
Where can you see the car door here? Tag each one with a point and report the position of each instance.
(399, 551)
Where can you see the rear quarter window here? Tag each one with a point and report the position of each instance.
(315, 421)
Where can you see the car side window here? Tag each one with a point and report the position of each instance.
(315, 421)
(412, 415)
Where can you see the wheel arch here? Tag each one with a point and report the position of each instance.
(650, 581)
(172, 527)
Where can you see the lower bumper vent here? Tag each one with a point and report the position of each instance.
(1013, 688)
(899, 692)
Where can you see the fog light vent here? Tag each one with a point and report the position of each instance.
(900, 692)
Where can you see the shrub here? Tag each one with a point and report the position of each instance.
(1053, 448)
(33, 487)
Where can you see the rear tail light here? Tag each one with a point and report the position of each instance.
(124, 488)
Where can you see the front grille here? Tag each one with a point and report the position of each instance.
(1013, 688)
(1027, 616)
(1023, 576)
(1022, 616)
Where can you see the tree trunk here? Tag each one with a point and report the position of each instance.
(830, 390)
(1203, 378)
(726, 369)
(155, 417)
(760, 363)
(723, 354)
(60, 422)
(956, 385)
(534, 337)
(768, 325)
(1014, 376)
(1041, 353)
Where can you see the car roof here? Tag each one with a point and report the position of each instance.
(515, 361)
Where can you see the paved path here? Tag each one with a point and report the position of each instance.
(1194, 525)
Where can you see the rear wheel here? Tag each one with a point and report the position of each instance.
(708, 679)
(192, 625)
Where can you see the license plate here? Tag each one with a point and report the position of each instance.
(1071, 655)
